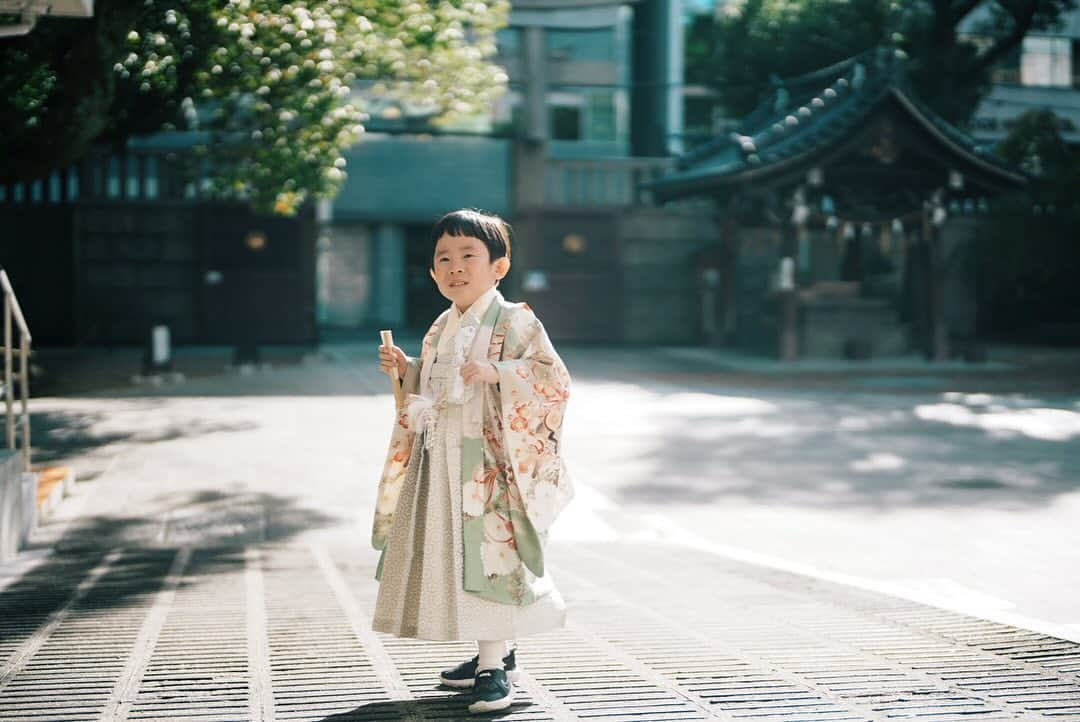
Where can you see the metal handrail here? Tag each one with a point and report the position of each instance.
(13, 312)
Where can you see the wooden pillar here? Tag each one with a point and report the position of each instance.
(78, 311)
(84, 175)
(122, 161)
(935, 288)
(140, 176)
(388, 271)
(536, 85)
(788, 285)
(788, 298)
(729, 274)
(789, 326)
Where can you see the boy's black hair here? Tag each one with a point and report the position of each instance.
(488, 227)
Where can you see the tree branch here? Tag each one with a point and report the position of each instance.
(964, 9)
(942, 8)
(943, 32)
(1023, 19)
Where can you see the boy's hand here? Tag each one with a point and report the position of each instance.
(389, 356)
(475, 371)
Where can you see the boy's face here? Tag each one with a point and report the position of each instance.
(463, 270)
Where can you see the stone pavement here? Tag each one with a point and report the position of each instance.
(213, 565)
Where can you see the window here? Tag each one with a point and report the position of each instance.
(565, 122)
(1046, 61)
(601, 124)
(587, 114)
(576, 45)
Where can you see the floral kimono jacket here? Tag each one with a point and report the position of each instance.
(514, 481)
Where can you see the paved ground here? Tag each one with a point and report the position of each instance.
(721, 560)
(958, 487)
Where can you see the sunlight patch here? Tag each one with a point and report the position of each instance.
(969, 399)
(583, 520)
(881, 461)
(1037, 423)
(714, 405)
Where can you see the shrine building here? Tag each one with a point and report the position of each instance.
(849, 214)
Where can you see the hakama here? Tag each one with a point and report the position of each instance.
(421, 590)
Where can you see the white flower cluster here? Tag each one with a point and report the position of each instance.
(277, 82)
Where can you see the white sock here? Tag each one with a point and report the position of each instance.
(491, 653)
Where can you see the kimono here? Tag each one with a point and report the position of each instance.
(506, 456)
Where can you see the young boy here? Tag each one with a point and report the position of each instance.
(474, 476)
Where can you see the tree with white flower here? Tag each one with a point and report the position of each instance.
(273, 86)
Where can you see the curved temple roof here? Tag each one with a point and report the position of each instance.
(808, 119)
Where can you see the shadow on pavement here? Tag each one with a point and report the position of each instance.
(74, 371)
(218, 525)
(839, 452)
(201, 519)
(449, 707)
(335, 370)
(61, 435)
(651, 444)
(1029, 370)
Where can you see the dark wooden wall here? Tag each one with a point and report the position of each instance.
(103, 272)
(583, 298)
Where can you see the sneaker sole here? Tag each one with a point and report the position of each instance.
(499, 704)
(458, 683)
(512, 675)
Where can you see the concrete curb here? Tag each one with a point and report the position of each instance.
(17, 506)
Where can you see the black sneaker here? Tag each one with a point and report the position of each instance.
(492, 692)
(463, 676)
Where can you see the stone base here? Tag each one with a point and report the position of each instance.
(18, 504)
(857, 328)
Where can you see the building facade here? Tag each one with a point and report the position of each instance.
(1043, 73)
(593, 110)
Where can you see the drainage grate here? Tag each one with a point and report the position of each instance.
(318, 666)
(198, 668)
(872, 655)
(75, 662)
(28, 605)
(282, 631)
